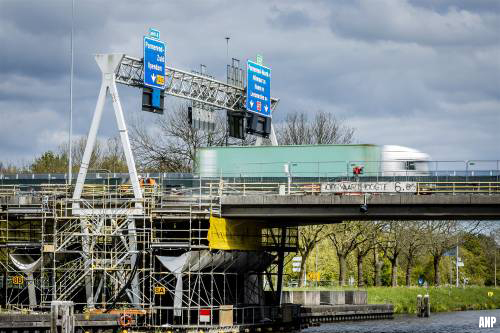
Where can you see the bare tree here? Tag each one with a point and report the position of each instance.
(170, 144)
(324, 128)
(78, 148)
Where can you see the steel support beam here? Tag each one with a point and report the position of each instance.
(191, 86)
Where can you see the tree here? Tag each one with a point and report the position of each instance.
(170, 144)
(113, 158)
(367, 241)
(324, 128)
(413, 241)
(345, 237)
(50, 162)
(10, 168)
(392, 245)
(309, 237)
(78, 149)
(377, 265)
(444, 235)
(106, 155)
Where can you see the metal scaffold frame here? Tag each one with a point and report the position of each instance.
(123, 259)
(140, 250)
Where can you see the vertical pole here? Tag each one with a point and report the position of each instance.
(451, 271)
(281, 260)
(456, 264)
(496, 264)
(31, 289)
(70, 153)
(133, 261)
(53, 317)
(316, 259)
(272, 136)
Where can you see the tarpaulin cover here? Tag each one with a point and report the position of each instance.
(226, 234)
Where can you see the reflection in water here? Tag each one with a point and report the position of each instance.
(449, 322)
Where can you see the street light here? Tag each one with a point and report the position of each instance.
(287, 168)
(70, 153)
(496, 239)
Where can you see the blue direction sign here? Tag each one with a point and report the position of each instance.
(258, 89)
(154, 63)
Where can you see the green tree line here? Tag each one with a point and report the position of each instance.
(395, 253)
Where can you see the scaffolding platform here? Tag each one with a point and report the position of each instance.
(159, 262)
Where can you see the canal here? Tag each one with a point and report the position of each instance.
(445, 322)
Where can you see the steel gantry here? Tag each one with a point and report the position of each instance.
(127, 70)
(191, 86)
(119, 68)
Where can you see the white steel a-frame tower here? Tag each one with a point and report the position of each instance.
(109, 64)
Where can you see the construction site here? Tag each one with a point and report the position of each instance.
(165, 260)
(204, 252)
(135, 255)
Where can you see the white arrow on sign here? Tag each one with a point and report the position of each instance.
(265, 108)
(153, 77)
(251, 104)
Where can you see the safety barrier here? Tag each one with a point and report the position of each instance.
(458, 187)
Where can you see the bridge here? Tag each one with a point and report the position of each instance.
(186, 253)
(331, 208)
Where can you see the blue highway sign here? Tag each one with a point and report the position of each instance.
(154, 63)
(258, 89)
(154, 33)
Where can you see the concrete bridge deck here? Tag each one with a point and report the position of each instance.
(325, 208)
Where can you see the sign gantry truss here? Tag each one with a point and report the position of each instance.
(187, 85)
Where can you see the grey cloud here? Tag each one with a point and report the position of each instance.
(442, 6)
(389, 79)
(289, 18)
(401, 22)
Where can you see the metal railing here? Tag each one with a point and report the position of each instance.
(202, 190)
(458, 187)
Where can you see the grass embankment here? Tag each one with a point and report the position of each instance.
(442, 298)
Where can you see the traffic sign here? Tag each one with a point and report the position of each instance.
(160, 290)
(260, 59)
(258, 89)
(154, 63)
(18, 279)
(420, 281)
(154, 33)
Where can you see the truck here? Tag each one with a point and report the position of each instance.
(331, 161)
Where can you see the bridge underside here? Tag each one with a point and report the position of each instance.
(307, 209)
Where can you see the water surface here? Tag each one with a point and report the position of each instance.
(445, 322)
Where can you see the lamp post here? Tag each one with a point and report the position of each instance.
(286, 168)
(496, 239)
(70, 153)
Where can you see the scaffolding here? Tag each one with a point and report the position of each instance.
(154, 263)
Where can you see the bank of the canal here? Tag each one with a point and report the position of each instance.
(444, 322)
(443, 299)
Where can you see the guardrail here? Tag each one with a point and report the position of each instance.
(213, 188)
(359, 188)
(458, 187)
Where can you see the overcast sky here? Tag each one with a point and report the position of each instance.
(422, 73)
